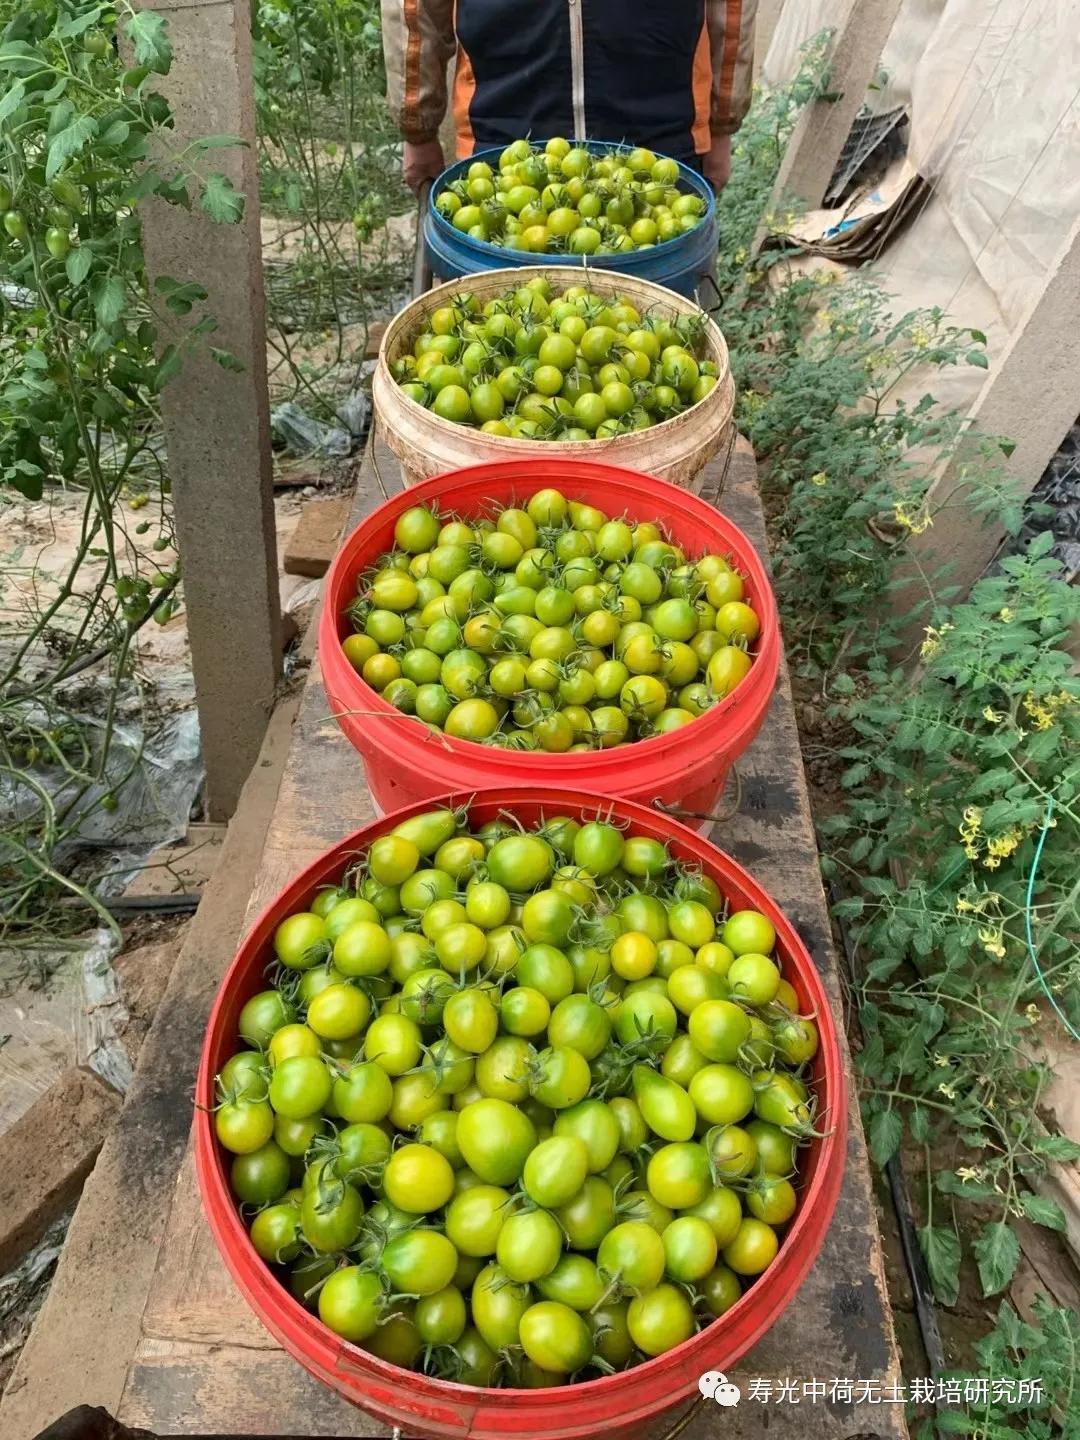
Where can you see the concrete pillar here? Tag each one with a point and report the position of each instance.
(217, 422)
(768, 17)
(1031, 397)
(860, 31)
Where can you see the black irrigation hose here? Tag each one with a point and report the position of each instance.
(921, 1289)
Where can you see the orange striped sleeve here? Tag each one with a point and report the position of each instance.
(730, 25)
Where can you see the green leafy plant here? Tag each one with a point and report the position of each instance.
(948, 773)
(330, 181)
(84, 137)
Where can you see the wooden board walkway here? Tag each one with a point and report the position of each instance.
(204, 1364)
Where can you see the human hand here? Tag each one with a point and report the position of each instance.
(716, 164)
(421, 162)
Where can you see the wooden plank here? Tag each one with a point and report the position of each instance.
(205, 1363)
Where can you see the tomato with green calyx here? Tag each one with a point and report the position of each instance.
(771, 1198)
(243, 1077)
(529, 1245)
(732, 1152)
(611, 1334)
(300, 941)
(719, 1029)
(559, 1077)
(630, 1257)
(424, 995)
(502, 1071)
(498, 1304)
(796, 1038)
(351, 1303)
(784, 1101)
(645, 1020)
(262, 1015)
(598, 848)
(363, 1151)
(575, 1281)
(331, 1213)
(275, 1233)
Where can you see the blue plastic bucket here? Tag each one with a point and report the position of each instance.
(679, 264)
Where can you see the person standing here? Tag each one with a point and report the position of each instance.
(675, 77)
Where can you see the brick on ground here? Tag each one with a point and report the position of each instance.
(47, 1154)
(315, 540)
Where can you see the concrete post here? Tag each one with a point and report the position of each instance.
(217, 423)
(860, 31)
(1031, 397)
(768, 17)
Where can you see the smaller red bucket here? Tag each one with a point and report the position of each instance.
(684, 769)
(616, 1407)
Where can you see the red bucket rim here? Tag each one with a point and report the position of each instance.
(766, 656)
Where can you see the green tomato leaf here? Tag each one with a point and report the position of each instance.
(11, 99)
(226, 359)
(168, 366)
(221, 200)
(147, 33)
(997, 1251)
(78, 264)
(1055, 1147)
(109, 295)
(1043, 1211)
(941, 1250)
(886, 1132)
(69, 142)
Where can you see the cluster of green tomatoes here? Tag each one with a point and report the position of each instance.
(548, 627)
(564, 199)
(576, 366)
(524, 1106)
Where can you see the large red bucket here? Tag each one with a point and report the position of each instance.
(406, 761)
(617, 1405)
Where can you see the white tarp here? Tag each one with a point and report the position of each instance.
(994, 93)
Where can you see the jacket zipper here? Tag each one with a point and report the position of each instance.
(577, 69)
